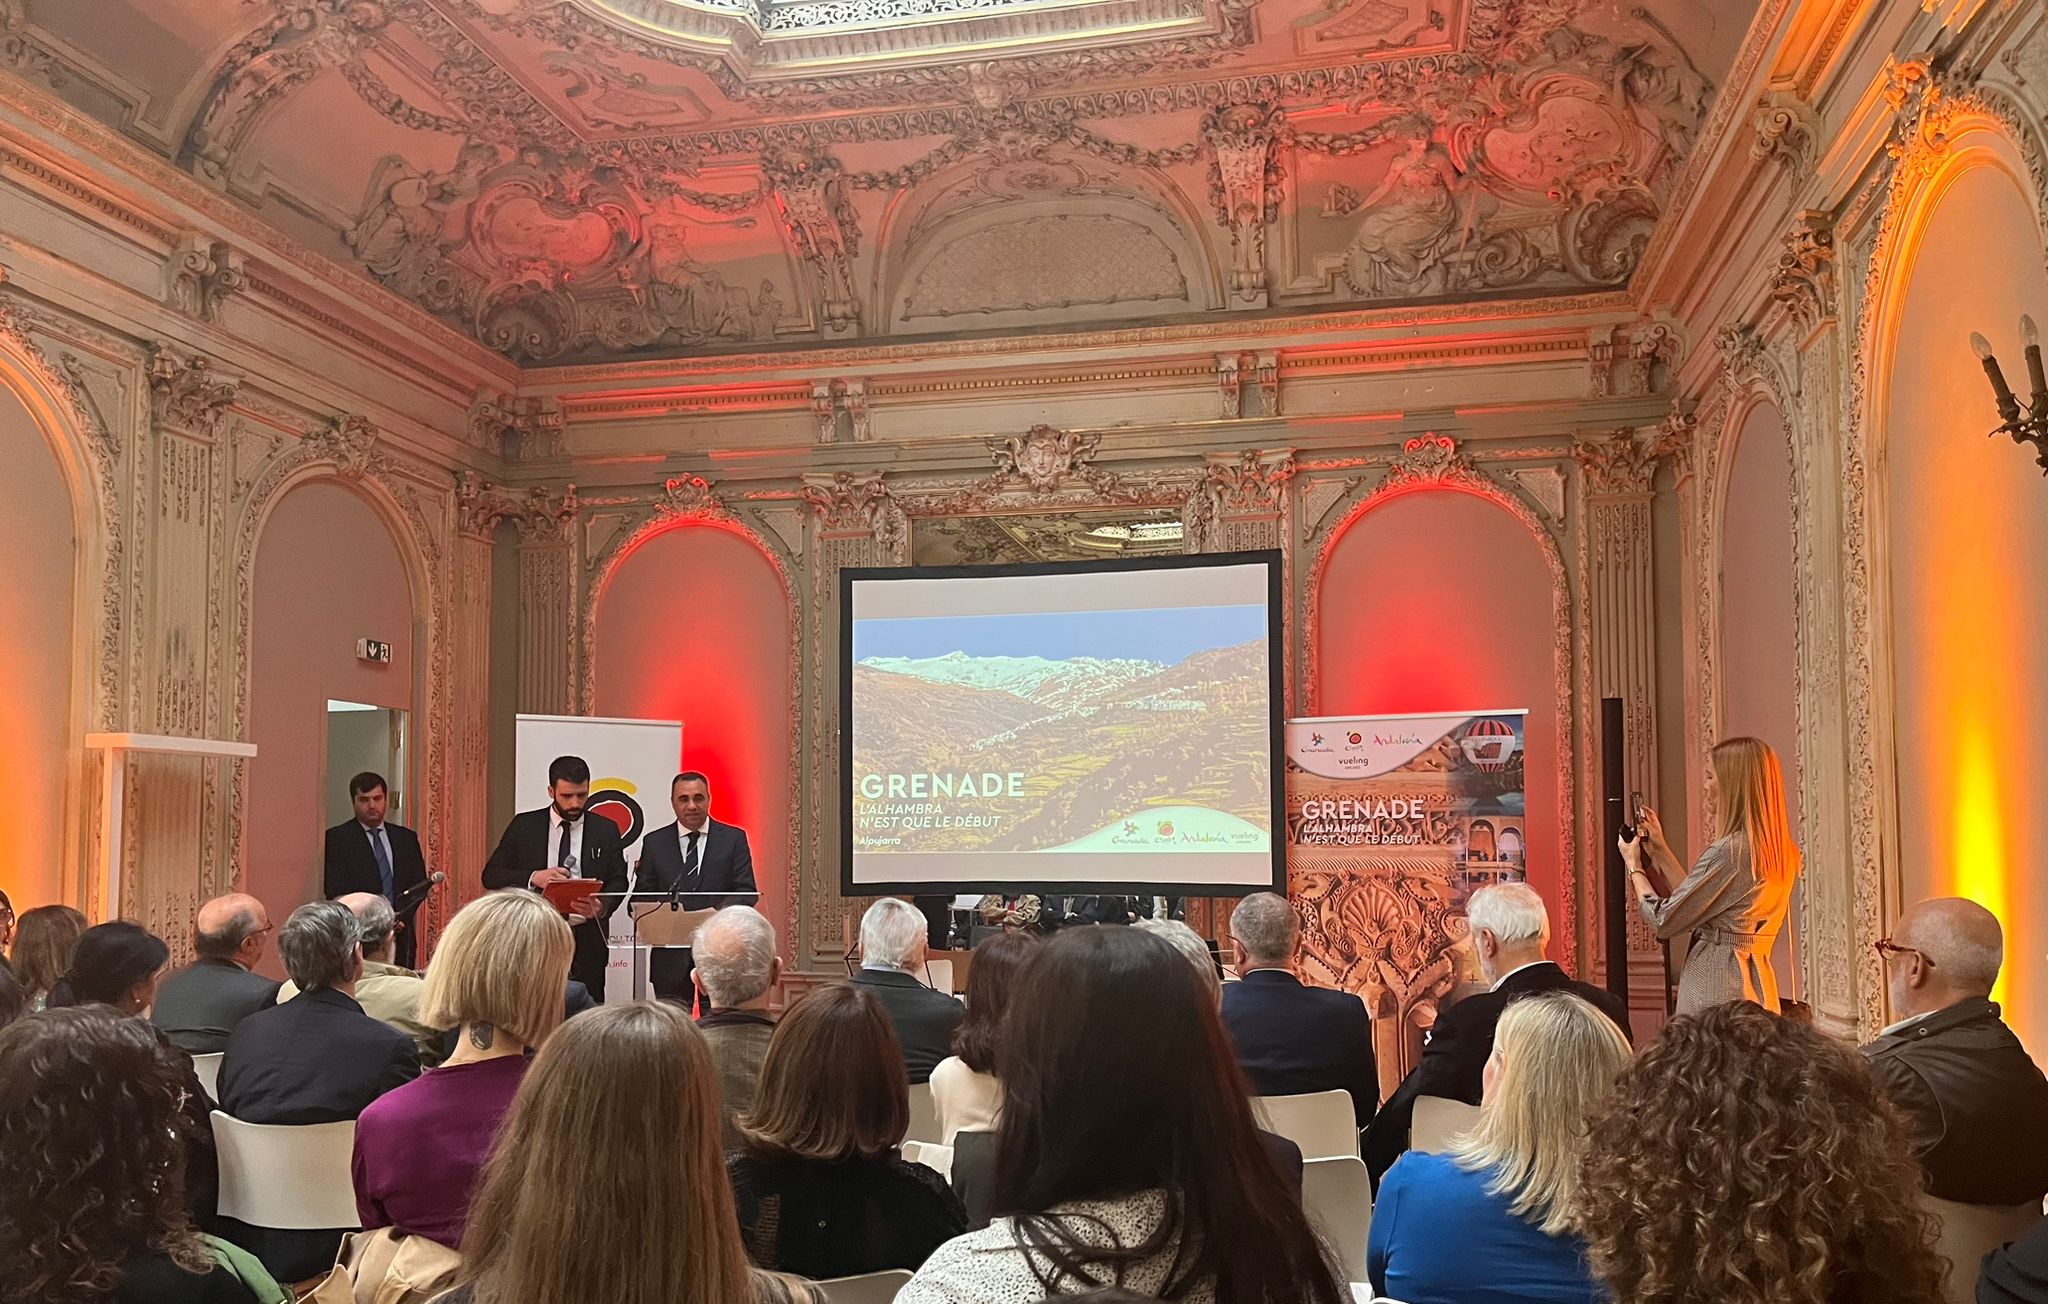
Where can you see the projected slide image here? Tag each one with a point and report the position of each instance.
(1096, 733)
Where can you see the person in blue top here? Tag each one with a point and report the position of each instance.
(1489, 1222)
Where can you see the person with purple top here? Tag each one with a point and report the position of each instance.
(497, 977)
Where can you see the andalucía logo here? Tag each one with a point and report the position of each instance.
(613, 799)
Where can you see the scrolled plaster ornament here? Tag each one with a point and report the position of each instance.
(810, 198)
(1804, 283)
(689, 496)
(185, 391)
(1244, 186)
(1787, 130)
(1425, 459)
(1045, 458)
(1250, 482)
(1624, 461)
(199, 274)
(350, 442)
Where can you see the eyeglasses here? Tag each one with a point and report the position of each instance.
(1886, 947)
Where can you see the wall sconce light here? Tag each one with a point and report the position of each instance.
(2028, 423)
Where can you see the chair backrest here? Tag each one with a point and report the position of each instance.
(936, 1157)
(208, 1069)
(1436, 1120)
(1971, 1231)
(868, 1288)
(924, 1115)
(939, 975)
(1337, 1196)
(287, 1178)
(1322, 1123)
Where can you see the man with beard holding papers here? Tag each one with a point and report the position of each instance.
(703, 864)
(556, 843)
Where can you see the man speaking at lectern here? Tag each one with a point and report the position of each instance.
(557, 842)
(698, 862)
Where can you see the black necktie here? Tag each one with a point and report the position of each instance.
(690, 856)
(562, 856)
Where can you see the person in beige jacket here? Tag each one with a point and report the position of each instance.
(387, 993)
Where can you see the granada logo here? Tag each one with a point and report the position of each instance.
(1315, 740)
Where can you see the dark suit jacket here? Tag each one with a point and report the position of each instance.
(315, 1059)
(1294, 1039)
(725, 864)
(352, 867)
(2018, 1273)
(924, 1019)
(524, 851)
(1975, 1104)
(198, 1006)
(1459, 1046)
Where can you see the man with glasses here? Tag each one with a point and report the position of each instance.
(198, 1006)
(1975, 1104)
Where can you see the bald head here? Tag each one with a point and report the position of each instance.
(1962, 941)
(231, 927)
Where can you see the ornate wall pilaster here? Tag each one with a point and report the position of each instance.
(547, 608)
(1618, 613)
(853, 522)
(477, 514)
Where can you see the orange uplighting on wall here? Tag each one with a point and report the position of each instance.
(1978, 867)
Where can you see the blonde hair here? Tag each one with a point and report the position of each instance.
(503, 960)
(608, 1181)
(1558, 1057)
(1752, 802)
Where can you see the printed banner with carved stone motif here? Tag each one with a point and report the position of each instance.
(1392, 821)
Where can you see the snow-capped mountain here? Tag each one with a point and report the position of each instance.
(1056, 684)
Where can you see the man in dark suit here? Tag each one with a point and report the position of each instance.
(317, 1058)
(1974, 1102)
(367, 854)
(1293, 1039)
(554, 843)
(892, 947)
(1510, 931)
(701, 863)
(198, 1006)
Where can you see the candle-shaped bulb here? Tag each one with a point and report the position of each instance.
(2030, 334)
(1980, 346)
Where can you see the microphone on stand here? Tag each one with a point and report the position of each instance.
(413, 895)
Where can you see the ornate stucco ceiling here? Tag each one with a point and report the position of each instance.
(580, 179)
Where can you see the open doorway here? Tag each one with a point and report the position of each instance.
(364, 737)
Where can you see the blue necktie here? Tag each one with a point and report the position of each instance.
(383, 860)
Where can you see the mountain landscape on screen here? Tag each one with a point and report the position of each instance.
(1085, 733)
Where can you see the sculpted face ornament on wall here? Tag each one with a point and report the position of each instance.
(1045, 459)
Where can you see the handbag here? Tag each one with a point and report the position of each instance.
(387, 1267)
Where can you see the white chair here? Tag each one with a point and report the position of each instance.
(1436, 1120)
(1337, 1196)
(868, 1288)
(1322, 1123)
(938, 1158)
(287, 1178)
(1361, 1293)
(924, 1115)
(1971, 1231)
(208, 1069)
(939, 975)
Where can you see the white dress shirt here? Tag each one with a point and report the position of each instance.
(555, 823)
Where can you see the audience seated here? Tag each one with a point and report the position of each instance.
(892, 947)
(965, 1090)
(388, 992)
(1127, 1153)
(606, 1185)
(1490, 1222)
(95, 1205)
(1746, 1157)
(1975, 1104)
(820, 1187)
(198, 1006)
(2017, 1273)
(116, 963)
(1510, 931)
(496, 979)
(1293, 1039)
(1009, 912)
(43, 938)
(736, 972)
(316, 1059)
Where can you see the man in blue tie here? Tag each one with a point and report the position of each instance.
(369, 854)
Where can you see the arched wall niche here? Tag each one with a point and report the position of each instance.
(690, 620)
(49, 593)
(1434, 594)
(1757, 613)
(1958, 533)
(300, 652)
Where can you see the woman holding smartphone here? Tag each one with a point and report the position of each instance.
(1735, 898)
